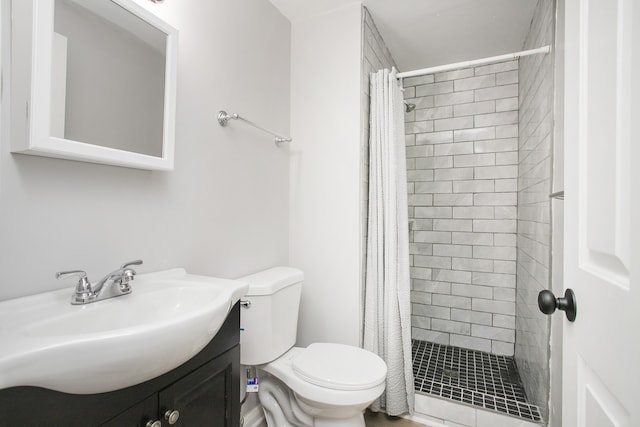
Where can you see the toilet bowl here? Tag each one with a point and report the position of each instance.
(322, 385)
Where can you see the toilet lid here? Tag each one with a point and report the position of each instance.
(339, 367)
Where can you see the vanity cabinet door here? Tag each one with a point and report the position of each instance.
(208, 397)
(138, 415)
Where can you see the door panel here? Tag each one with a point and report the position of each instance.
(602, 409)
(208, 397)
(605, 137)
(601, 252)
(138, 415)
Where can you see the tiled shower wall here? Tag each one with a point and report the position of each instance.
(375, 56)
(462, 166)
(534, 211)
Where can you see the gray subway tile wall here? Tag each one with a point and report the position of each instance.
(462, 160)
(534, 210)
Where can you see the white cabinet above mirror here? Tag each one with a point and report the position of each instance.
(93, 80)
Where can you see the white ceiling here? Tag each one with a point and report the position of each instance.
(425, 33)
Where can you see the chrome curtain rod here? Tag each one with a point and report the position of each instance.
(465, 64)
(223, 119)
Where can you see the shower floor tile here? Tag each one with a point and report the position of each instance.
(472, 377)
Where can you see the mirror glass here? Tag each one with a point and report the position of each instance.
(108, 77)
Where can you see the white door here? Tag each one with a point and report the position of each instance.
(601, 359)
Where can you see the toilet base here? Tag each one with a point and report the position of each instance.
(282, 408)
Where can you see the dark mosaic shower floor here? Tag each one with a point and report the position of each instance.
(472, 377)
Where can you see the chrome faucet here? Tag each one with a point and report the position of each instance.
(112, 285)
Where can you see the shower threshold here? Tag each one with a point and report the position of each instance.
(471, 377)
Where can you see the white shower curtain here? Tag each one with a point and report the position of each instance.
(387, 310)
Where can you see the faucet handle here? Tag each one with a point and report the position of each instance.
(83, 290)
(127, 264)
(64, 274)
(127, 274)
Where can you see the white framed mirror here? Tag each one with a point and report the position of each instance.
(93, 80)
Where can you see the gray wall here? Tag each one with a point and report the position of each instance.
(222, 212)
(534, 210)
(462, 158)
(325, 242)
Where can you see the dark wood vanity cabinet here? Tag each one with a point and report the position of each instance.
(205, 391)
(200, 399)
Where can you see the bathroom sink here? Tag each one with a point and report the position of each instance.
(115, 343)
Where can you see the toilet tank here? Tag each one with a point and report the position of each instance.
(269, 326)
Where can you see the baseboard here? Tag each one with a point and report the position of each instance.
(423, 419)
(255, 418)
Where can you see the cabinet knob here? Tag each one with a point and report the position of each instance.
(171, 416)
(156, 423)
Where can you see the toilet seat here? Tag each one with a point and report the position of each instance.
(339, 367)
(282, 369)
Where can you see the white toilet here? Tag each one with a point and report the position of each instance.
(321, 385)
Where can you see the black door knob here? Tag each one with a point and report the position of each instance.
(548, 303)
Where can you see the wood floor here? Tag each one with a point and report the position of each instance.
(381, 420)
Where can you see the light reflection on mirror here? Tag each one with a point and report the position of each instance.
(108, 77)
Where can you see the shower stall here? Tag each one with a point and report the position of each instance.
(479, 171)
(478, 195)
(479, 144)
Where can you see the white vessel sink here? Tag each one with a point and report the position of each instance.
(115, 343)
